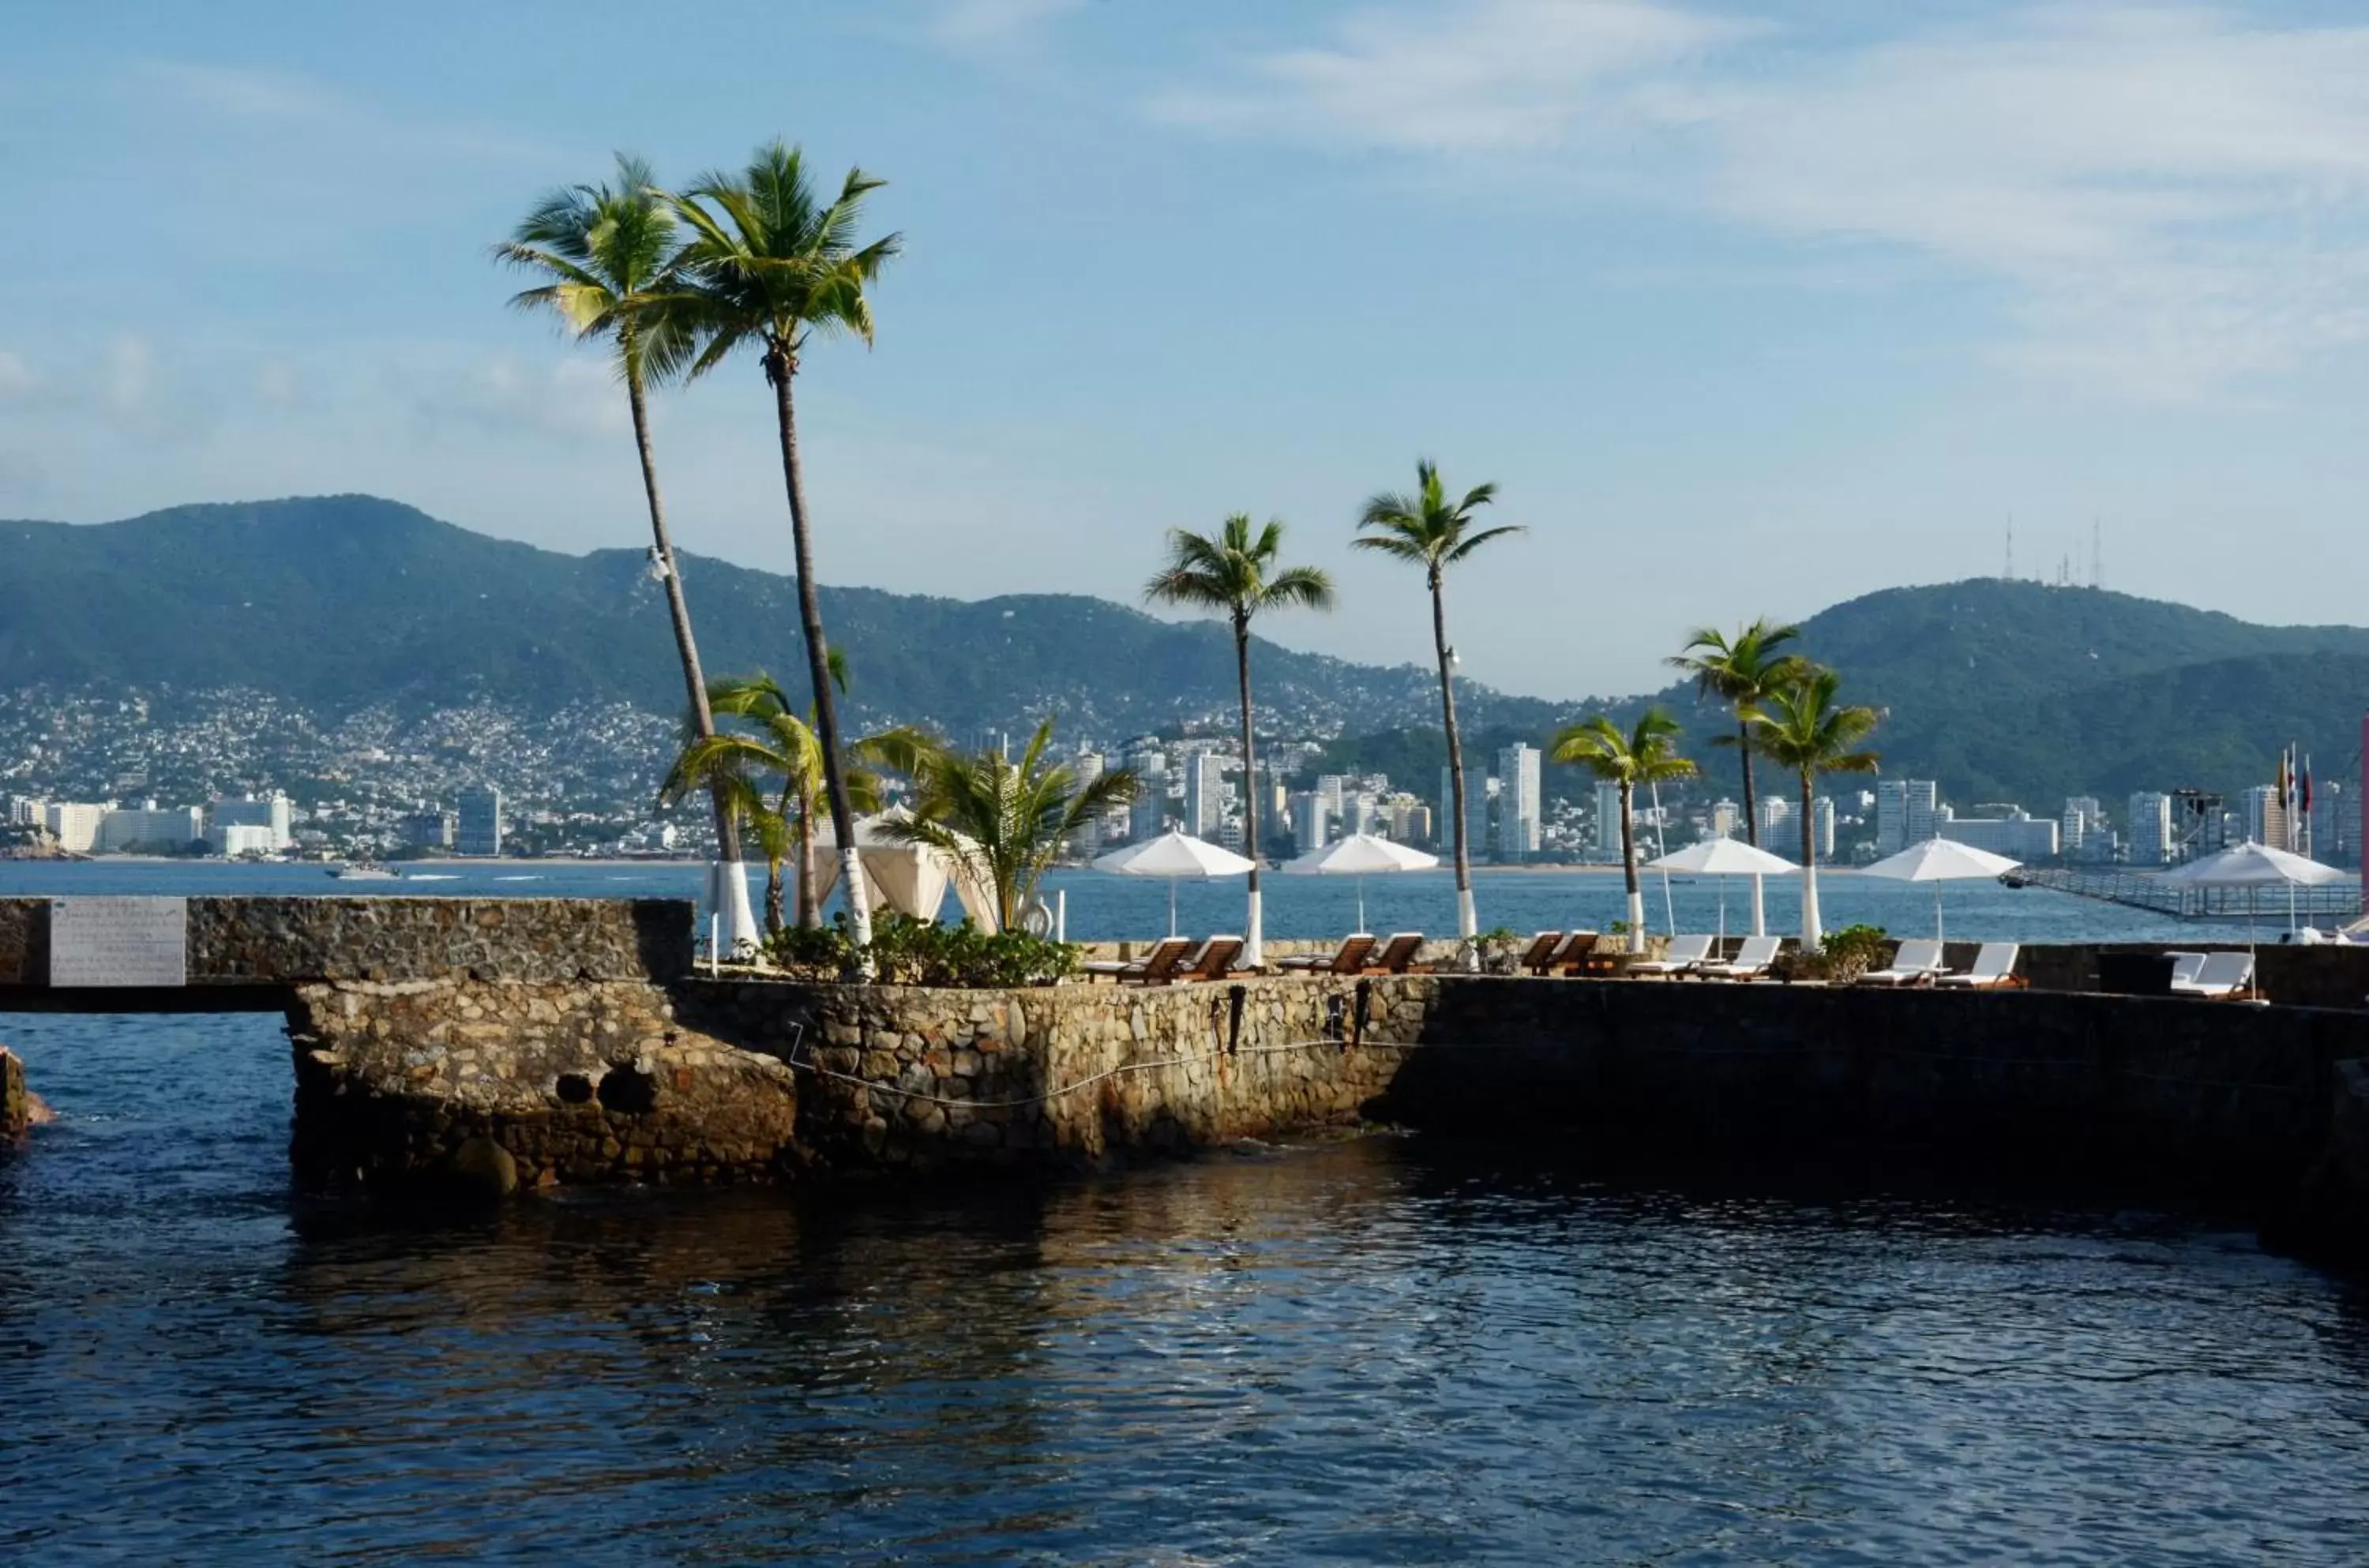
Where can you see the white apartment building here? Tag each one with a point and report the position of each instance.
(1726, 820)
(1477, 788)
(1607, 819)
(1780, 826)
(75, 825)
(2265, 815)
(1308, 822)
(1907, 811)
(1517, 803)
(271, 812)
(2151, 839)
(2019, 836)
(168, 830)
(1205, 795)
(232, 839)
(479, 829)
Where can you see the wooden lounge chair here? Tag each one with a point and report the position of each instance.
(1751, 960)
(1349, 958)
(1214, 962)
(1542, 947)
(2223, 976)
(1918, 960)
(1565, 951)
(1994, 966)
(1397, 956)
(1581, 958)
(1155, 968)
(1682, 955)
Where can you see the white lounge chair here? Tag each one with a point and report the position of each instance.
(1751, 960)
(2224, 975)
(1919, 960)
(2185, 968)
(1994, 966)
(1683, 953)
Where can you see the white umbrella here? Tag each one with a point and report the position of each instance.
(1177, 856)
(2251, 864)
(1724, 858)
(1937, 861)
(1360, 856)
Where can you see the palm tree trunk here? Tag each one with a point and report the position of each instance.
(1751, 802)
(1628, 867)
(834, 775)
(774, 921)
(1252, 955)
(809, 907)
(1812, 935)
(728, 830)
(1468, 921)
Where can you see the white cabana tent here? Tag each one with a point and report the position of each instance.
(1724, 858)
(1360, 856)
(911, 879)
(2251, 864)
(1176, 856)
(1937, 861)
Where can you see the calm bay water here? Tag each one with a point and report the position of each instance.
(1384, 1350)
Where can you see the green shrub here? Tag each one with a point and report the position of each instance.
(1843, 955)
(922, 952)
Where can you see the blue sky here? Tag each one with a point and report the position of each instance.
(1748, 307)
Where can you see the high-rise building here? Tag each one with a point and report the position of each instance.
(233, 841)
(1517, 804)
(478, 828)
(2083, 818)
(1357, 813)
(1723, 820)
(1332, 789)
(2335, 821)
(1907, 811)
(2151, 839)
(990, 740)
(24, 812)
(1779, 833)
(430, 830)
(1477, 788)
(73, 824)
(170, 830)
(1607, 819)
(1421, 828)
(1821, 826)
(1308, 822)
(2265, 816)
(1205, 793)
(1087, 842)
(2018, 835)
(270, 812)
(1148, 817)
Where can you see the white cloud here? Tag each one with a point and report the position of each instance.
(2174, 195)
(17, 377)
(986, 25)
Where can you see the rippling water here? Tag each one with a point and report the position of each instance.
(1375, 1351)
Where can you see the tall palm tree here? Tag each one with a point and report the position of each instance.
(608, 253)
(770, 265)
(1235, 573)
(1647, 755)
(1741, 671)
(1006, 821)
(1799, 726)
(1427, 527)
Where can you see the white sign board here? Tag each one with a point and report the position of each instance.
(119, 942)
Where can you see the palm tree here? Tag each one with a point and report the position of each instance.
(770, 265)
(1741, 671)
(1799, 727)
(1646, 755)
(779, 742)
(1236, 574)
(608, 253)
(1433, 532)
(1006, 821)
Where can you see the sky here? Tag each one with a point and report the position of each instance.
(1745, 308)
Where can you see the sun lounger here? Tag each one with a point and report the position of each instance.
(2222, 975)
(1397, 956)
(1346, 959)
(1214, 962)
(1542, 948)
(1683, 954)
(1567, 953)
(1155, 968)
(1917, 961)
(1751, 960)
(2185, 966)
(1994, 966)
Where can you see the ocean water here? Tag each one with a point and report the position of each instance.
(1106, 907)
(1377, 1350)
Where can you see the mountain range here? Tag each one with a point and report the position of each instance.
(2001, 690)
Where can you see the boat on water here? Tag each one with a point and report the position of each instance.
(363, 871)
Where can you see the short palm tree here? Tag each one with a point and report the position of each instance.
(1236, 573)
(1427, 527)
(1799, 726)
(607, 253)
(1647, 755)
(778, 743)
(1006, 821)
(769, 265)
(1741, 671)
